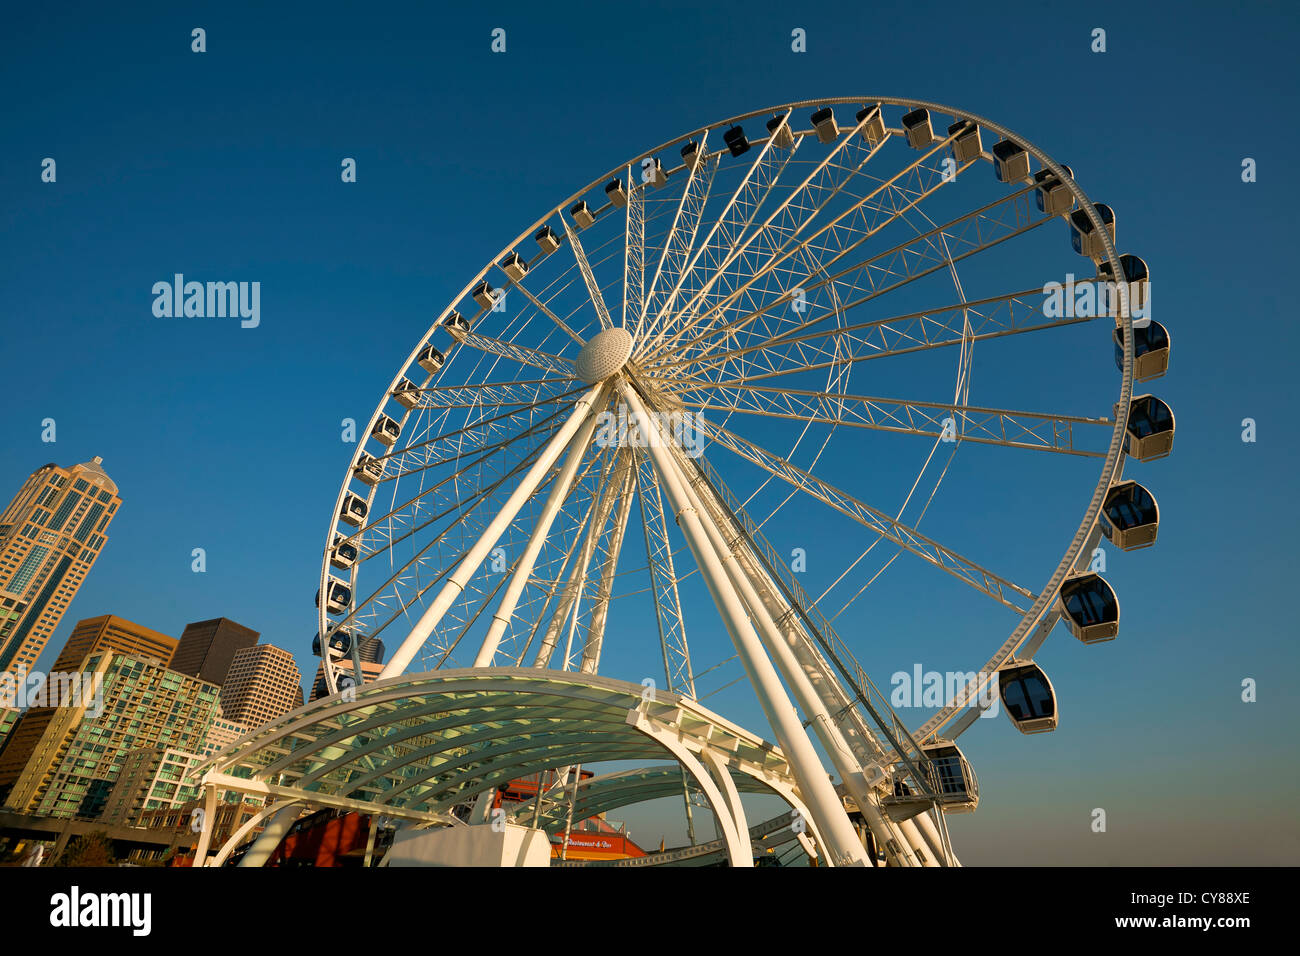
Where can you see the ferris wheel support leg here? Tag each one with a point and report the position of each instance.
(841, 754)
(935, 839)
(844, 848)
(455, 585)
(920, 846)
(554, 502)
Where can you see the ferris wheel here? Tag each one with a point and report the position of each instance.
(603, 453)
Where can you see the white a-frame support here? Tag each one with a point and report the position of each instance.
(843, 845)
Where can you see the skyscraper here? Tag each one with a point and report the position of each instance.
(50, 535)
(262, 684)
(207, 648)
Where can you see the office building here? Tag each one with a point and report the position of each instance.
(51, 534)
(207, 648)
(151, 778)
(106, 634)
(263, 683)
(74, 764)
(222, 734)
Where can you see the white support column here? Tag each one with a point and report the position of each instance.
(843, 846)
(920, 848)
(209, 825)
(465, 570)
(814, 708)
(519, 579)
(935, 840)
(270, 838)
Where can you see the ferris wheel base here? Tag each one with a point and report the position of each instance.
(505, 845)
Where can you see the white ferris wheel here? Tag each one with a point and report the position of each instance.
(599, 456)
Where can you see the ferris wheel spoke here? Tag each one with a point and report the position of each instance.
(863, 219)
(663, 581)
(980, 578)
(633, 251)
(464, 510)
(622, 483)
(894, 268)
(524, 355)
(1014, 314)
(453, 446)
(684, 228)
(491, 394)
(546, 311)
(741, 207)
(989, 426)
(565, 615)
(589, 277)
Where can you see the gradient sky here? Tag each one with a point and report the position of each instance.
(226, 166)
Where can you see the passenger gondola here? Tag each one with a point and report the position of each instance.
(339, 596)
(1137, 279)
(485, 295)
(353, 510)
(1150, 350)
(692, 154)
(1027, 696)
(1130, 516)
(582, 214)
(1010, 162)
(455, 323)
(1089, 607)
(951, 777)
(653, 172)
(1150, 431)
(1052, 195)
(1084, 238)
(824, 123)
(920, 133)
(872, 121)
(546, 240)
(514, 266)
(736, 141)
(965, 141)
(406, 393)
(340, 643)
(615, 192)
(430, 359)
(343, 554)
(779, 130)
(386, 431)
(368, 469)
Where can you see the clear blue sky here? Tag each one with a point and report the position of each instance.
(225, 165)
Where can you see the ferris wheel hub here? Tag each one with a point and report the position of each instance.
(602, 356)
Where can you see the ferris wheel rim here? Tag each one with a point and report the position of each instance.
(1111, 468)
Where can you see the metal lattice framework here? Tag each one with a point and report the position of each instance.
(676, 346)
